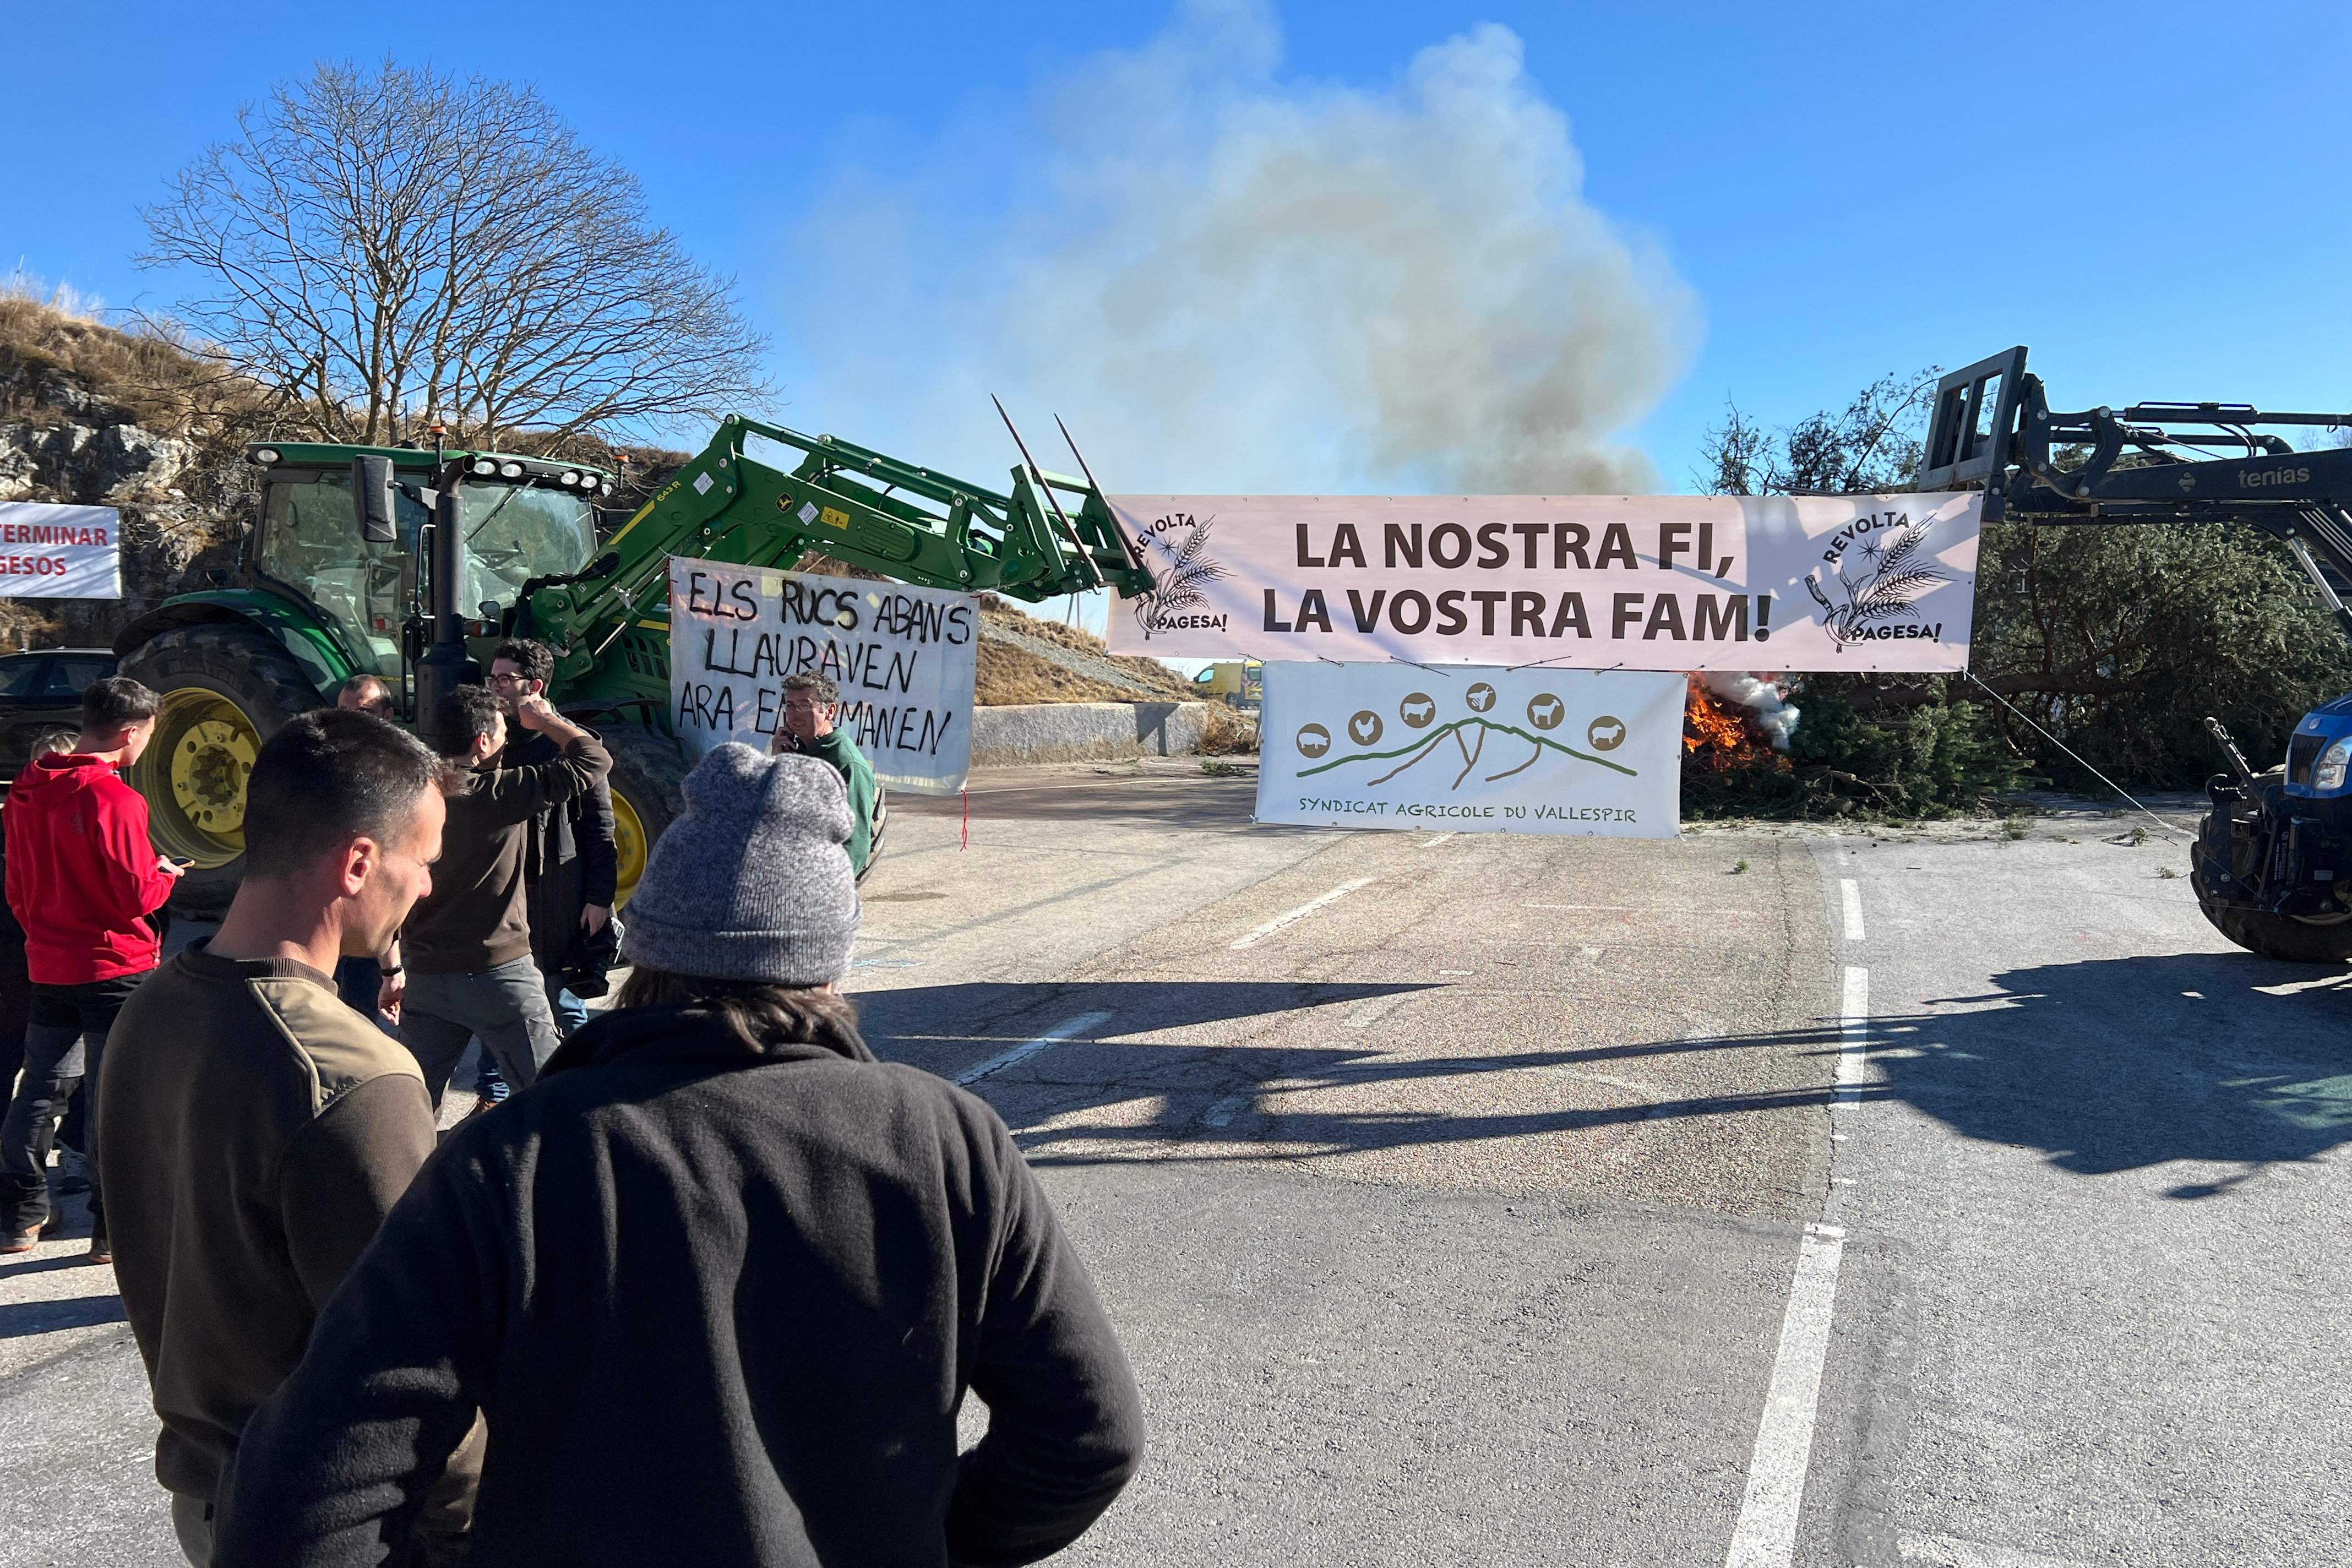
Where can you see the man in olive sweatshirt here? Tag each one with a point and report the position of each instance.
(254, 1131)
(462, 967)
(809, 726)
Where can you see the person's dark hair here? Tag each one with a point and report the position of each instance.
(465, 715)
(532, 660)
(367, 688)
(326, 778)
(115, 703)
(759, 1012)
(820, 688)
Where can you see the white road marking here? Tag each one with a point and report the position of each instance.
(1252, 938)
(1853, 1032)
(1364, 1016)
(1022, 1052)
(1222, 1113)
(1433, 843)
(1766, 1534)
(1852, 895)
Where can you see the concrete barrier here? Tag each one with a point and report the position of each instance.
(1081, 731)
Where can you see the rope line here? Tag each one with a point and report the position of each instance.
(2086, 767)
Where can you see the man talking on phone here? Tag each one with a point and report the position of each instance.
(84, 882)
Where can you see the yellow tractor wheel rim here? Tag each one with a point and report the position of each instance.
(629, 848)
(194, 775)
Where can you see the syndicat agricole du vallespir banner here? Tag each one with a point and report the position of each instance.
(1677, 583)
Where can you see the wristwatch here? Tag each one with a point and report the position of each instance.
(387, 973)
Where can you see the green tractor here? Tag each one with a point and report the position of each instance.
(412, 565)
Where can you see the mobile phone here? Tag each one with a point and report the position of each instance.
(184, 863)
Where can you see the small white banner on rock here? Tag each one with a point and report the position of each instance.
(1469, 749)
(1669, 583)
(60, 551)
(905, 660)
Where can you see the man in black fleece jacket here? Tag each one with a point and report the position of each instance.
(720, 1282)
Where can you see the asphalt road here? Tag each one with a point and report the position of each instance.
(1537, 1201)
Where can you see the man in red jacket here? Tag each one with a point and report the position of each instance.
(82, 880)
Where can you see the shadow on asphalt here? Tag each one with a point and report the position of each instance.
(2101, 1067)
(19, 1319)
(1160, 801)
(988, 1010)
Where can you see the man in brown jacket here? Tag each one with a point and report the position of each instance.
(467, 948)
(254, 1131)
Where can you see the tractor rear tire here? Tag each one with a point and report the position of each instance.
(225, 689)
(2290, 939)
(647, 769)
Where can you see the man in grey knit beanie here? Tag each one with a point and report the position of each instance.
(753, 883)
(720, 1282)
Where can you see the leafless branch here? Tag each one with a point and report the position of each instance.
(392, 249)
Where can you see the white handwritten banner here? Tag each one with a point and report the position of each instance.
(904, 657)
(1471, 749)
(60, 551)
(1668, 582)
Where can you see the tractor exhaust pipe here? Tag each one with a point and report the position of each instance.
(445, 665)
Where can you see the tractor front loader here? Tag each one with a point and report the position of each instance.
(2272, 865)
(413, 565)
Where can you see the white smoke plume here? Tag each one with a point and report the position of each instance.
(1228, 281)
(1763, 700)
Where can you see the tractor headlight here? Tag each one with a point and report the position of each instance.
(510, 470)
(2329, 775)
(264, 456)
(569, 478)
(485, 465)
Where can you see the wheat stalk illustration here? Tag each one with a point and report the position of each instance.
(1180, 587)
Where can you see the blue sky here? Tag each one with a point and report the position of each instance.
(2148, 195)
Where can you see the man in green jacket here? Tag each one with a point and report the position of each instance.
(812, 704)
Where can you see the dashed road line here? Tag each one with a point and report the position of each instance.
(1853, 1038)
(1433, 843)
(1223, 1113)
(1027, 1048)
(1851, 895)
(1252, 938)
(1766, 1534)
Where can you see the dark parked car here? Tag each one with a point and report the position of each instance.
(40, 694)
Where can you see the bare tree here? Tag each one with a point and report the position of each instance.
(1871, 447)
(395, 249)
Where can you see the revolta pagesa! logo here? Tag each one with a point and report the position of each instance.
(1879, 569)
(1177, 601)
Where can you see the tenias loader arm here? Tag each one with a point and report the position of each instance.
(2273, 862)
(764, 496)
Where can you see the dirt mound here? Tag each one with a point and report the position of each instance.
(1025, 660)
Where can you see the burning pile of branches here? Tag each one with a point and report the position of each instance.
(1720, 736)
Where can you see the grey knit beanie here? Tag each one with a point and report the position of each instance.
(752, 882)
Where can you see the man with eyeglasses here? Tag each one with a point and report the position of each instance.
(808, 728)
(571, 869)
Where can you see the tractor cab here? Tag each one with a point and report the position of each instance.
(337, 578)
(521, 518)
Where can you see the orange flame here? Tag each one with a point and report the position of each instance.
(1719, 736)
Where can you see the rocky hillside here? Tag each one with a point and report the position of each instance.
(94, 416)
(97, 417)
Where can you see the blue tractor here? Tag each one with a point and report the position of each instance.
(2271, 866)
